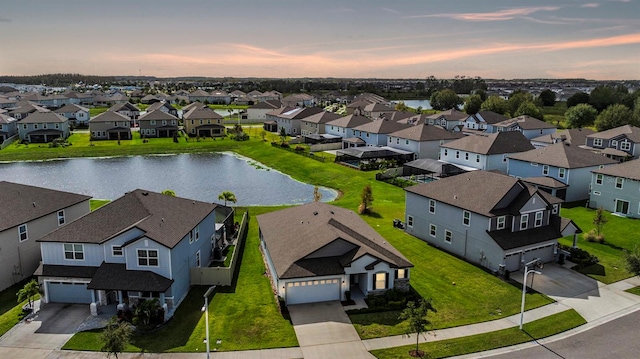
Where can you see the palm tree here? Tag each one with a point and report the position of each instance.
(29, 290)
(227, 196)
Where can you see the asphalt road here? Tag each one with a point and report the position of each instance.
(618, 339)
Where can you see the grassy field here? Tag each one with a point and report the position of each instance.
(620, 234)
(10, 310)
(555, 114)
(502, 338)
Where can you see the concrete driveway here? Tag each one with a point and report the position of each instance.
(325, 331)
(49, 328)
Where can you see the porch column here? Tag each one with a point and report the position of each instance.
(93, 307)
(575, 240)
(120, 300)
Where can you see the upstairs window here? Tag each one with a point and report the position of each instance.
(599, 178)
(501, 222)
(61, 217)
(466, 218)
(148, 257)
(545, 170)
(116, 251)
(625, 146)
(562, 172)
(597, 142)
(22, 233)
(619, 182)
(432, 206)
(524, 221)
(73, 251)
(538, 221)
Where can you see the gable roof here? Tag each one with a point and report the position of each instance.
(349, 121)
(124, 106)
(322, 117)
(199, 93)
(156, 105)
(297, 113)
(632, 132)
(572, 136)
(525, 122)
(381, 126)
(488, 117)
(44, 117)
(267, 105)
(563, 155)
(204, 113)
(426, 132)
(6, 119)
(164, 219)
(109, 116)
(449, 115)
(25, 203)
(156, 115)
(71, 108)
(492, 144)
(295, 233)
(629, 169)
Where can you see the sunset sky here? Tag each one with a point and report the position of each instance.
(325, 38)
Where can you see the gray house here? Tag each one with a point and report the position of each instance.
(158, 124)
(42, 127)
(616, 189)
(422, 139)
(618, 143)
(8, 127)
(449, 119)
(29, 213)
(163, 106)
(530, 127)
(110, 125)
(315, 252)
(75, 113)
(490, 219)
(572, 136)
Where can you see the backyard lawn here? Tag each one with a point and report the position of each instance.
(620, 234)
(10, 310)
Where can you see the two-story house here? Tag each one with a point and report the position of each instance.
(530, 127)
(448, 119)
(200, 96)
(140, 246)
(422, 139)
(316, 252)
(291, 119)
(110, 125)
(616, 189)
(572, 136)
(315, 124)
(568, 164)
(128, 110)
(75, 113)
(163, 106)
(158, 124)
(8, 127)
(203, 121)
(490, 219)
(258, 112)
(29, 213)
(481, 120)
(343, 127)
(42, 127)
(618, 143)
(484, 151)
(375, 133)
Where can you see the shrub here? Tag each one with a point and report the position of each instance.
(299, 148)
(582, 258)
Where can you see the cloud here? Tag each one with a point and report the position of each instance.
(502, 15)
(390, 10)
(590, 5)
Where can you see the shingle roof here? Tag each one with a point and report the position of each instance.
(572, 136)
(164, 219)
(123, 106)
(349, 121)
(292, 235)
(200, 93)
(44, 117)
(545, 181)
(321, 117)
(632, 132)
(525, 122)
(6, 119)
(157, 115)
(491, 144)
(201, 113)
(157, 105)
(629, 169)
(50, 270)
(449, 115)
(267, 105)
(109, 116)
(563, 155)
(489, 117)
(23, 203)
(425, 132)
(71, 108)
(115, 276)
(381, 126)
(507, 239)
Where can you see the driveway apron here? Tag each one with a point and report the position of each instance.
(325, 331)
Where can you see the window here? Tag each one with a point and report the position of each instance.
(596, 193)
(116, 251)
(599, 178)
(61, 217)
(625, 146)
(545, 170)
(619, 182)
(432, 230)
(614, 143)
(524, 220)
(445, 152)
(466, 156)
(501, 223)
(148, 257)
(380, 281)
(406, 142)
(555, 209)
(597, 142)
(432, 206)
(73, 251)
(466, 218)
(22, 233)
(457, 154)
(447, 236)
(198, 259)
(538, 219)
(402, 273)
(562, 172)
(478, 158)
(196, 233)
(504, 158)
(410, 221)
(152, 122)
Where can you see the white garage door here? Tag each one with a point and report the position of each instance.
(66, 292)
(310, 291)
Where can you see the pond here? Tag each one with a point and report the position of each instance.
(196, 176)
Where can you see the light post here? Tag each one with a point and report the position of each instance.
(538, 264)
(205, 309)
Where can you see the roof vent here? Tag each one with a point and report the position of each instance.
(455, 196)
(315, 213)
(34, 204)
(145, 193)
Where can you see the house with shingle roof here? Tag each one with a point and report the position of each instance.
(8, 127)
(29, 213)
(291, 118)
(618, 143)
(75, 113)
(481, 120)
(110, 125)
(200, 96)
(572, 136)
(220, 97)
(568, 164)
(140, 246)
(490, 219)
(530, 127)
(316, 252)
(374, 109)
(298, 100)
(23, 109)
(375, 133)
(422, 139)
(315, 124)
(203, 121)
(616, 189)
(158, 124)
(163, 106)
(448, 119)
(258, 112)
(344, 126)
(484, 151)
(127, 109)
(43, 127)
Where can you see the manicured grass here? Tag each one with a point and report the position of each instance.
(97, 203)
(95, 111)
(538, 329)
(10, 310)
(620, 234)
(634, 290)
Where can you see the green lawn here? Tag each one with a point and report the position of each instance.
(502, 338)
(620, 234)
(10, 310)
(634, 290)
(97, 203)
(95, 111)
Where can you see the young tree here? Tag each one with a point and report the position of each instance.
(115, 337)
(30, 289)
(417, 316)
(227, 196)
(614, 116)
(283, 135)
(581, 115)
(367, 199)
(317, 196)
(401, 106)
(263, 134)
(599, 220)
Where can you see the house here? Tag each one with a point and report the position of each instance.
(530, 127)
(74, 113)
(616, 189)
(7, 102)
(374, 109)
(481, 120)
(316, 252)
(42, 127)
(163, 106)
(375, 133)
(572, 136)
(484, 151)
(200, 96)
(314, 124)
(343, 127)
(258, 112)
(619, 143)
(568, 164)
(29, 213)
(8, 127)
(220, 97)
(291, 118)
(47, 101)
(128, 110)
(489, 219)
(158, 124)
(140, 246)
(110, 125)
(422, 139)
(23, 109)
(203, 121)
(299, 100)
(448, 119)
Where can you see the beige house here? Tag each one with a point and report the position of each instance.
(110, 125)
(32, 213)
(203, 122)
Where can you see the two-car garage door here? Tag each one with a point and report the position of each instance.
(310, 291)
(67, 292)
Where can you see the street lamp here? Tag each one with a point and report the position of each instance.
(205, 309)
(537, 264)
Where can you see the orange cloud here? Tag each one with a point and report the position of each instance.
(501, 15)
